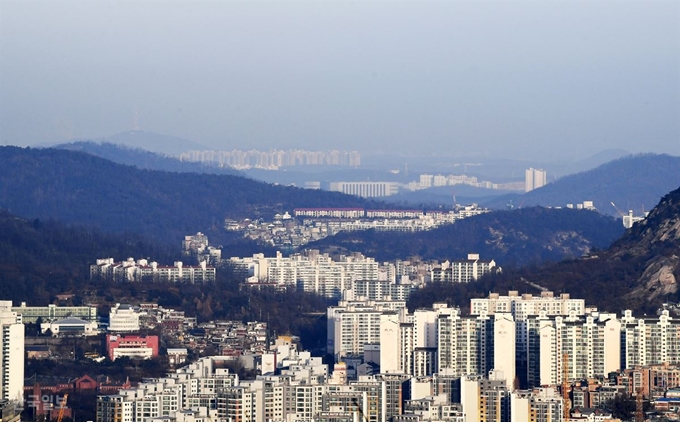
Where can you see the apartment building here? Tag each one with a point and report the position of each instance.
(534, 179)
(144, 271)
(585, 347)
(11, 354)
(378, 290)
(542, 405)
(366, 189)
(649, 340)
(462, 271)
(330, 212)
(310, 271)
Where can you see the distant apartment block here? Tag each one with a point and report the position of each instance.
(197, 247)
(585, 205)
(426, 180)
(522, 306)
(310, 271)
(31, 314)
(534, 179)
(274, 159)
(462, 271)
(378, 290)
(353, 324)
(133, 346)
(395, 213)
(144, 271)
(330, 212)
(366, 189)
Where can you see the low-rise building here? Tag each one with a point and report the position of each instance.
(123, 319)
(70, 327)
(133, 346)
(31, 314)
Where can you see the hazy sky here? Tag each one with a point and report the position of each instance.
(513, 78)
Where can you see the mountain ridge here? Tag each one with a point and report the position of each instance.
(630, 182)
(518, 237)
(77, 187)
(639, 271)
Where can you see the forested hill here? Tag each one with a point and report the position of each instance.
(41, 258)
(639, 271)
(519, 237)
(634, 182)
(143, 159)
(76, 187)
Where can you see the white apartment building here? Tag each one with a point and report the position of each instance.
(144, 271)
(11, 354)
(649, 340)
(523, 306)
(377, 290)
(543, 405)
(485, 400)
(395, 213)
(440, 180)
(330, 212)
(425, 181)
(309, 271)
(365, 189)
(123, 319)
(476, 345)
(534, 179)
(352, 329)
(591, 346)
(220, 396)
(462, 271)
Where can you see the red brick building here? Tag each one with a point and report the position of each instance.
(134, 346)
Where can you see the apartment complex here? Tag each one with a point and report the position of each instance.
(144, 271)
(273, 159)
(532, 340)
(355, 276)
(310, 271)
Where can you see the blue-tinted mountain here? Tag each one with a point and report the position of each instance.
(634, 182)
(143, 159)
(74, 187)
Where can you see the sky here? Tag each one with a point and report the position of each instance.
(523, 79)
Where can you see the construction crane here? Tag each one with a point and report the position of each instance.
(62, 407)
(617, 210)
(639, 407)
(566, 403)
